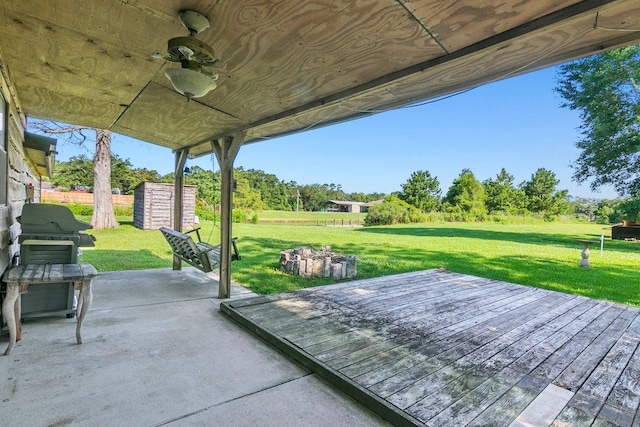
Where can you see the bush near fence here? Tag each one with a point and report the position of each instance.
(82, 198)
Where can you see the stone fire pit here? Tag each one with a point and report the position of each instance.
(321, 263)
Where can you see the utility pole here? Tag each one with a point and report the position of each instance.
(297, 199)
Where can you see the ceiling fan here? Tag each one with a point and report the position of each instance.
(192, 79)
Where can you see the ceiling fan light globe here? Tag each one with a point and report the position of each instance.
(193, 21)
(191, 83)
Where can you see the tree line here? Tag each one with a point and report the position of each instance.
(469, 197)
(466, 199)
(255, 190)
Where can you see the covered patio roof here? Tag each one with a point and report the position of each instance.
(291, 65)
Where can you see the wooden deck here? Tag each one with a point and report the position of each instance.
(439, 348)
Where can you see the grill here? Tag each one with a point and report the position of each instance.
(50, 234)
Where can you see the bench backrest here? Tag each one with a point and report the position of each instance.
(201, 255)
(185, 248)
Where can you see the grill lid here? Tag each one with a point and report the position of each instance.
(46, 218)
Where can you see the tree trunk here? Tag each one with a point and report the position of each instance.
(103, 215)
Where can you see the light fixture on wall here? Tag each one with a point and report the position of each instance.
(191, 79)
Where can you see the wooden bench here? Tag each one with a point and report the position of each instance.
(203, 256)
(18, 280)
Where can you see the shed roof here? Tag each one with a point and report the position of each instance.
(292, 65)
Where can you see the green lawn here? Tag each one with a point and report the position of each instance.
(544, 255)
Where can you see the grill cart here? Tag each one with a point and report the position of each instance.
(50, 234)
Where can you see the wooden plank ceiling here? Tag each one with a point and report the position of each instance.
(291, 64)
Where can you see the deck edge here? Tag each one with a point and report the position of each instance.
(376, 404)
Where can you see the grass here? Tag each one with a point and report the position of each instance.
(544, 255)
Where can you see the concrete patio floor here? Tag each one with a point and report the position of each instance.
(157, 351)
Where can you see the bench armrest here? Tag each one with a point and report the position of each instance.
(196, 230)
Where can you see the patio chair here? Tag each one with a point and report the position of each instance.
(202, 255)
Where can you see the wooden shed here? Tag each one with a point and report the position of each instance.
(153, 206)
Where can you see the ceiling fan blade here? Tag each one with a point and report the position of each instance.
(158, 55)
(186, 52)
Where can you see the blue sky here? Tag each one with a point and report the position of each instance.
(516, 123)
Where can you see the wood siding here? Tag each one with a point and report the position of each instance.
(153, 206)
(20, 172)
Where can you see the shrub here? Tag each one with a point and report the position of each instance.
(455, 213)
(605, 215)
(239, 216)
(121, 210)
(393, 211)
(433, 217)
(384, 214)
(415, 215)
(206, 212)
(87, 210)
(81, 210)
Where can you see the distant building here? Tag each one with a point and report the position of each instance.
(346, 206)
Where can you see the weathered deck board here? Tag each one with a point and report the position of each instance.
(580, 368)
(466, 353)
(511, 404)
(488, 359)
(400, 373)
(440, 348)
(475, 401)
(626, 393)
(558, 361)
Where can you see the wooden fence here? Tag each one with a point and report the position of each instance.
(82, 198)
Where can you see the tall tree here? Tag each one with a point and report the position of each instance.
(542, 194)
(314, 197)
(140, 175)
(103, 214)
(604, 89)
(122, 177)
(583, 206)
(75, 173)
(466, 195)
(422, 191)
(246, 197)
(273, 191)
(502, 196)
(207, 184)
